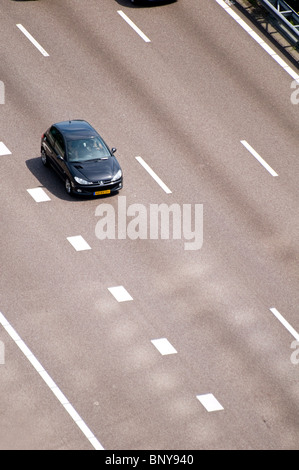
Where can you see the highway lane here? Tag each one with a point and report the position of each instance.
(220, 321)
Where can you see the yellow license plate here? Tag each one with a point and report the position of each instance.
(98, 193)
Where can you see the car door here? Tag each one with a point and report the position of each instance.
(60, 154)
(48, 143)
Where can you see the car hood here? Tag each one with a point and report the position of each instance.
(95, 170)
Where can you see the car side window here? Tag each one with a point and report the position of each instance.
(59, 145)
(52, 136)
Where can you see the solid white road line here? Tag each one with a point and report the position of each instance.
(78, 243)
(153, 175)
(259, 158)
(4, 150)
(209, 402)
(130, 22)
(34, 42)
(120, 293)
(38, 194)
(51, 384)
(285, 323)
(164, 346)
(259, 40)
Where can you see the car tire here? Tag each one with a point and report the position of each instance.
(68, 187)
(44, 158)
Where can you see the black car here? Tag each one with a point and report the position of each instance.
(81, 158)
(152, 2)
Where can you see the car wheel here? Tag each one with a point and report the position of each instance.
(44, 158)
(68, 186)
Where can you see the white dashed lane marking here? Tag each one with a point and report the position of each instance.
(120, 293)
(209, 402)
(259, 158)
(164, 346)
(133, 25)
(153, 175)
(78, 243)
(285, 323)
(4, 150)
(38, 194)
(32, 40)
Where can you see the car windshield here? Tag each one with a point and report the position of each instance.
(82, 150)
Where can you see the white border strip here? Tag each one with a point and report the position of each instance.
(259, 158)
(153, 174)
(133, 25)
(285, 323)
(259, 40)
(31, 38)
(51, 384)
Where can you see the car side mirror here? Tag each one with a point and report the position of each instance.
(113, 150)
(59, 157)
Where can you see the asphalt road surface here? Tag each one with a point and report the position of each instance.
(136, 342)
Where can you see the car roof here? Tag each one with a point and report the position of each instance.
(76, 129)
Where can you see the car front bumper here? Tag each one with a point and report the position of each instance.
(96, 189)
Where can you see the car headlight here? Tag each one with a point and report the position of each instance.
(81, 181)
(117, 176)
